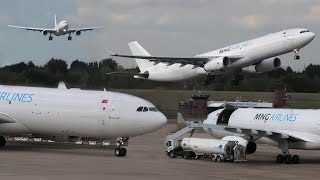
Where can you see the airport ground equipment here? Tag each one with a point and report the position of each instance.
(196, 148)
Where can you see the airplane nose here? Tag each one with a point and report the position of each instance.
(160, 120)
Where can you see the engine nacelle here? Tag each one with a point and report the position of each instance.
(268, 65)
(250, 146)
(44, 33)
(217, 64)
(78, 33)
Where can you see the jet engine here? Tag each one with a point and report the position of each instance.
(250, 146)
(217, 64)
(44, 33)
(268, 65)
(78, 33)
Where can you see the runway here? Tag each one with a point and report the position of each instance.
(146, 159)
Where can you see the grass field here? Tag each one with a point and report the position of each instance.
(167, 100)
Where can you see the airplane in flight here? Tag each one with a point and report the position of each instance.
(260, 52)
(283, 128)
(67, 115)
(62, 28)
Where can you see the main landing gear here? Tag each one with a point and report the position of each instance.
(69, 38)
(50, 38)
(3, 141)
(296, 56)
(209, 78)
(286, 157)
(120, 151)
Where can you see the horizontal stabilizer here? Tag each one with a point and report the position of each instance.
(5, 118)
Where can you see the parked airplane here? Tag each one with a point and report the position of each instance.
(260, 52)
(71, 114)
(62, 28)
(283, 128)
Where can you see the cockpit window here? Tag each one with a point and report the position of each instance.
(145, 109)
(139, 109)
(304, 31)
(153, 109)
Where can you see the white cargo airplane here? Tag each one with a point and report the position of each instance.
(260, 52)
(283, 128)
(71, 114)
(62, 28)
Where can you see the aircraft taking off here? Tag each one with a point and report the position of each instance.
(260, 52)
(283, 128)
(62, 28)
(71, 114)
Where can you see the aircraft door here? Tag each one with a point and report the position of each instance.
(114, 110)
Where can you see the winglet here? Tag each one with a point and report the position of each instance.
(111, 53)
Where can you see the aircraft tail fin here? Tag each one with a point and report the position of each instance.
(55, 20)
(180, 119)
(138, 50)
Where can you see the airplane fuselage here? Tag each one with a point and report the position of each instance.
(301, 125)
(61, 28)
(60, 113)
(252, 51)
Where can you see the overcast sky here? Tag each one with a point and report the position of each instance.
(163, 27)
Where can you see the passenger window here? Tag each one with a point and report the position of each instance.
(153, 109)
(139, 109)
(145, 109)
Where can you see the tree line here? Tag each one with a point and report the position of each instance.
(93, 75)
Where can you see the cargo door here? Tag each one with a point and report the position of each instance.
(114, 110)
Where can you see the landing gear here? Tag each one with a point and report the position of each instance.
(237, 78)
(296, 56)
(120, 151)
(69, 38)
(286, 157)
(50, 38)
(3, 141)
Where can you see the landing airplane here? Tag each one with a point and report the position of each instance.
(283, 128)
(62, 28)
(260, 52)
(71, 114)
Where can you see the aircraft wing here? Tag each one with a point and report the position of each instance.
(84, 29)
(197, 60)
(33, 29)
(281, 134)
(145, 75)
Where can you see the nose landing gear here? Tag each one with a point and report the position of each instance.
(120, 151)
(296, 56)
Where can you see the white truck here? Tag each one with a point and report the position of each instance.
(195, 148)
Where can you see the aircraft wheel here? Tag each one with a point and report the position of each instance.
(118, 152)
(287, 159)
(296, 57)
(124, 151)
(280, 158)
(3, 141)
(295, 159)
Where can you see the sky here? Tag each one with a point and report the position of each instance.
(162, 27)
